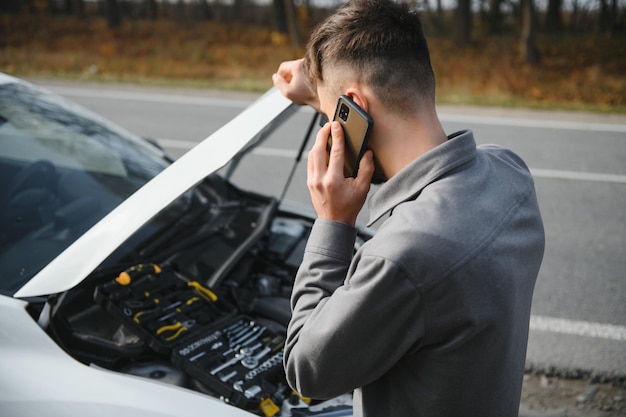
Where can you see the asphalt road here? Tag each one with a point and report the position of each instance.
(578, 161)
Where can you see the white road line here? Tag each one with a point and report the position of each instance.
(578, 328)
(537, 173)
(151, 97)
(262, 151)
(533, 123)
(177, 144)
(577, 176)
(284, 153)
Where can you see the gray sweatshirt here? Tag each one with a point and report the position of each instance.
(429, 317)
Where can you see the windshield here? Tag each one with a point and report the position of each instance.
(63, 168)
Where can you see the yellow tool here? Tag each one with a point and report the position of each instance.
(177, 328)
(203, 291)
(306, 400)
(268, 407)
(126, 277)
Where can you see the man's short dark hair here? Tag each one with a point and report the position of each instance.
(383, 42)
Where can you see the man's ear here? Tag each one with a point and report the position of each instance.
(357, 95)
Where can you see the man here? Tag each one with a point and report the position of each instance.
(429, 317)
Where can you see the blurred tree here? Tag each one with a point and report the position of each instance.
(609, 16)
(440, 20)
(114, 15)
(554, 20)
(280, 17)
(238, 8)
(528, 47)
(76, 7)
(292, 24)
(14, 5)
(573, 16)
(151, 9)
(464, 22)
(286, 23)
(604, 16)
(494, 17)
(435, 16)
(205, 10)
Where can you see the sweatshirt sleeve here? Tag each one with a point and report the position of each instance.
(352, 318)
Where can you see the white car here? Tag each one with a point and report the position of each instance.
(131, 285)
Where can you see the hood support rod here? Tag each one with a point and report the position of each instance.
(298, 156)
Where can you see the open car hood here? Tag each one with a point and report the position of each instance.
(82, 257)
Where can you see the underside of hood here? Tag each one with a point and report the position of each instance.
(245, 131)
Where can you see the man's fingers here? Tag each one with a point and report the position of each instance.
(280, 83)
(333, 196)
(366, 169)
(287, 69)
(317, 155)
(336, 160)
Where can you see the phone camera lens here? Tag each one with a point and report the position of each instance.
(343, 112)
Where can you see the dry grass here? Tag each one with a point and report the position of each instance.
(576, 72)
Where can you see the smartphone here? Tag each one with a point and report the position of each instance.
(357, 126)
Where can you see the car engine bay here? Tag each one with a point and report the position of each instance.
(205, 308)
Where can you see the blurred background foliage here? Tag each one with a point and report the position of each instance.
(567, 54)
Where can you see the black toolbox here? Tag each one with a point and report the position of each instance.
(231, 354)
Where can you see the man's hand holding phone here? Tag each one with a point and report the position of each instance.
(334, 196)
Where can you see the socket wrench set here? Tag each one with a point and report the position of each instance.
(241, 361)
(204, 336)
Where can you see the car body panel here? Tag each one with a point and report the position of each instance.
(87, 252)
(5, 78)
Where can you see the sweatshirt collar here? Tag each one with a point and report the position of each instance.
(411, 180)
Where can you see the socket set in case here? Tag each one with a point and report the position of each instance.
(230, 353)
(241, 361)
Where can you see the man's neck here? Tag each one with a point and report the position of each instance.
(409, 139)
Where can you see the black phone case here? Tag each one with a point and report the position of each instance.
(357, 126)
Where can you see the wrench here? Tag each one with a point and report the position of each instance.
(238, 356)
(226, 364)
(233, 327)
(243, 333)
(256, 330)
(252, 391)
(245, 343)
(241, 330)
(249, 350)
(252, 362)
(226, 377)
(253, 337)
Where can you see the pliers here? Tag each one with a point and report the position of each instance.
(175, 329)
